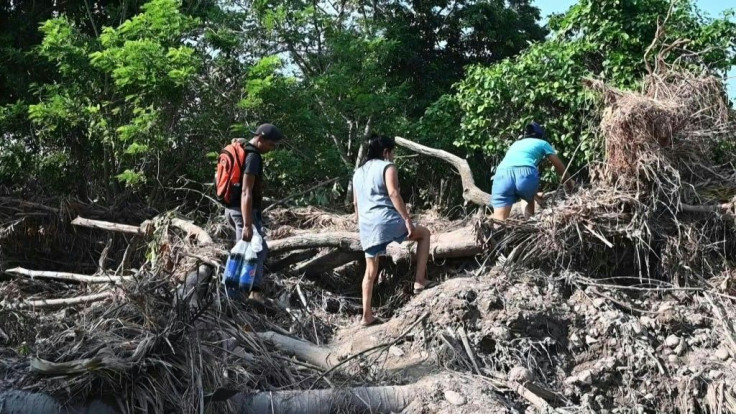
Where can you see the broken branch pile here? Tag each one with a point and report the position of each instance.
(662, 204)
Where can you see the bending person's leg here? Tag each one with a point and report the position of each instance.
(527, 184)
(503, 195)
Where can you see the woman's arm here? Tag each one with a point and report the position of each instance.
(562, 171)
(355, 206)
(392, 185)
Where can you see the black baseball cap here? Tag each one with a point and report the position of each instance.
(269, 132)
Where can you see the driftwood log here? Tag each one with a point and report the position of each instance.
(471, 192)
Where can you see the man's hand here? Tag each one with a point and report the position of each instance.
(409, 227)
(247, 233)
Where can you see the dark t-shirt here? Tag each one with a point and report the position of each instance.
(254, 166)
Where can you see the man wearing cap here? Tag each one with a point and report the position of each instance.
(265, 139)
(517, 177)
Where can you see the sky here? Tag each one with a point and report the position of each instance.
(711, 8)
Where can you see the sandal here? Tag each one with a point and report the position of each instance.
(429, 285)
(375, 321)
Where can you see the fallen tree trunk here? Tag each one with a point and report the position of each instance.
(291, 259)
(370, 399)
(343, 240)
(77, 300)
(308, 352)
(724, 208)
(67, 277)
(471, 192)
(463, 242)
(360, 399)
(25, 402)
(327, 262)
(108, 226)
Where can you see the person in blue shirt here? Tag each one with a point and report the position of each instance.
(517, 177)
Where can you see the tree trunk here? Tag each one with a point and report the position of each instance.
(386, 399)
(359, 158)
(471, 192)
(463, 242)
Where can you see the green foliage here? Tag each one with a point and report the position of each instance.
(601, 39)
(124, 123)
(131, 97)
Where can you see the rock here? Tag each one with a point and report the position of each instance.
(672, 358)
(520, 375)
(590, 340)
(586, 400)
(586, 377)
(715, 374)
(672, 341)
(582, 377)
(500, 333)
(454, 398)
(722, 354)
(395, 351)
(647, 321)
(681, 348)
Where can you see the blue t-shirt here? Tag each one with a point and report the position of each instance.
(526, 152)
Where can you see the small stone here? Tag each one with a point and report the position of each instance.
(590, 340)
(672, 341)
(715, 374)
(586, 377)
(681, 348)
(586, 400)
(672, 358)
(520, 375)
(454, 398)
(500, 333)
(647, 321)
(722, 354)
(395, 351)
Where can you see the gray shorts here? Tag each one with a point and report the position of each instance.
(235, 218)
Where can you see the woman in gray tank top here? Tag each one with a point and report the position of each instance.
(383, 218)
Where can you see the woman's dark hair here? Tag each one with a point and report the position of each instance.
(376, 145)
(534, 130)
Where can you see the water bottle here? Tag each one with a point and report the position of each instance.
(232, 272)
(248, 274)
(233, 267)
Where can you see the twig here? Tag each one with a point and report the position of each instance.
(78, 300)
(67, 277)
(466, 344)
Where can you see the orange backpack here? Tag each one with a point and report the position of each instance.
(229, 174)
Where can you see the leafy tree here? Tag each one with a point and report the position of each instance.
(602, 39)
(117, 98)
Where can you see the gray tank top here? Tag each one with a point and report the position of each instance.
(379, 221)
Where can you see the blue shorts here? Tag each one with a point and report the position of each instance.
(380, 249)
(514, 183)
